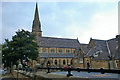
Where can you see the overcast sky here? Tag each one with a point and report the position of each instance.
(81, 20)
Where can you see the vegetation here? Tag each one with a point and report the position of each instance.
(22, 45)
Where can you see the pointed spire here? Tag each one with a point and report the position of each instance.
(36, 27)
(36, 16)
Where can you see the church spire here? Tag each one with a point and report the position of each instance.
(36, 16)
(36, 27)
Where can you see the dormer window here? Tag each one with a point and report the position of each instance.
(97, 53)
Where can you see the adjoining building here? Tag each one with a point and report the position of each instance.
(102, 53)
(56, 52)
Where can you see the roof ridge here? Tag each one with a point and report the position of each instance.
(59, 38)
(111, 39)
(99, 39)
(84, 44)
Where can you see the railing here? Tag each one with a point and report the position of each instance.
(101, 70)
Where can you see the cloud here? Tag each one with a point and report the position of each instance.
(82, 20)
(102, 25)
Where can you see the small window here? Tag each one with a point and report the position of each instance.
(60, 50)
(64, 62)
(43, 50)
(67, 51)
(56, 62)
(52, 50)
(74, 51)
(96, 55)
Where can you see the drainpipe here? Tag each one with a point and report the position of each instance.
(110, 62)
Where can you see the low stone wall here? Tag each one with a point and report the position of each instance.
(40, 75)
(22, 75)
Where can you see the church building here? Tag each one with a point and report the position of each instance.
(56, 52)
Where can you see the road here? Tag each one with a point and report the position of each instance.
(89, 75)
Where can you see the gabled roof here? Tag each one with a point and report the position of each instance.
(106, 47)
(117, 55)
(84, 48)
(58, 42)
(100, 49)
(112, 46)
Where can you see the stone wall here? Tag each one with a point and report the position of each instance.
(96, 64)
(100, 64)
(18, 75)
(40, 75)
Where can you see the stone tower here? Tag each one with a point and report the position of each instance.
(36, 26)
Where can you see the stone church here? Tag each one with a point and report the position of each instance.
(61, 52)
(56, 52)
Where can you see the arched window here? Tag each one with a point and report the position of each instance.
(63, 61)
(56, 62)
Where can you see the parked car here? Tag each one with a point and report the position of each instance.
(3, 71)
(68, 67)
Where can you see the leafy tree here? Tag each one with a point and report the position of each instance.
(22, 45)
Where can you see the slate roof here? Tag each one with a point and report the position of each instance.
(58, 42)
(105, 47)
(57, 55)
(112, 46)
(117, 55)
(100, 49)
(84, 48)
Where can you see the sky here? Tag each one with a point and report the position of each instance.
(82, 20)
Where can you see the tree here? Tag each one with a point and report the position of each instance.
(21, 45)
